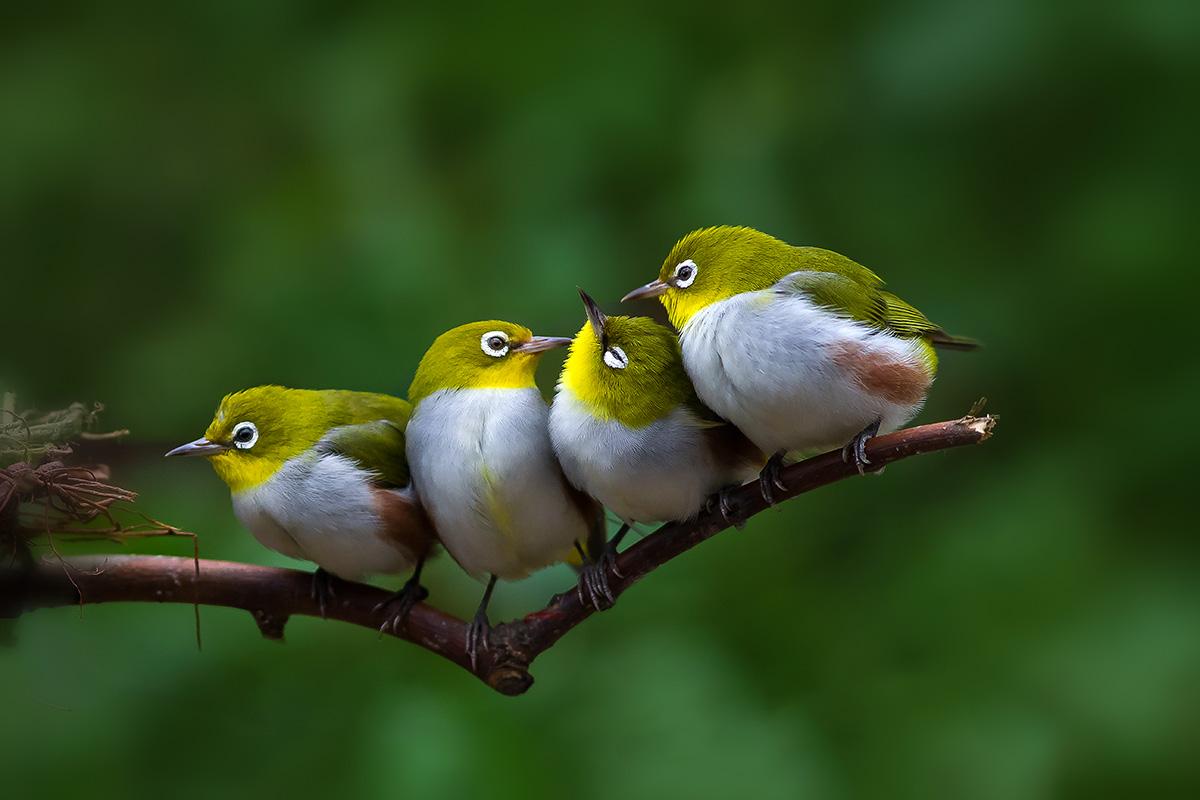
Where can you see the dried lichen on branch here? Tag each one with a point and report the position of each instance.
(44, 501)
(272, 595)
(41, 496)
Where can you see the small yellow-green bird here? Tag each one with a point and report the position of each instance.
(629, 430)
(482, 462)
(323, 476)
(800, 348)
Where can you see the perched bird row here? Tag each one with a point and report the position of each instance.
(779, 349)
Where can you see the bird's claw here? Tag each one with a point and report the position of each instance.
(856, 449)
(764, 488)
(322, 589)
(400, 605)
(478, 633)
(729, 509)
(593, 579)
(769, 479)
(610, 558)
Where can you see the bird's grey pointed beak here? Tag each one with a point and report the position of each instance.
(651, 289)
(540, 344)
(200, 447)
(594, 314)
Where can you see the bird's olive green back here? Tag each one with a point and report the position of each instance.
(733, 260)
(649, 388)
(289, 422)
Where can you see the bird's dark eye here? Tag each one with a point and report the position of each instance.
(245, 434)
(494, 343)
(685, 273)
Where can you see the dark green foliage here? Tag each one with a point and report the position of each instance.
(197, 198)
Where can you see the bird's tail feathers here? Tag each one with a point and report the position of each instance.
(946, 341)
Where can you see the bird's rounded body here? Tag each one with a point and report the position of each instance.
(481, 457)
(628, 429)
(794, 376)
(800, 347)
(320, 475)
(485, 471)
(664, 470)
(326, 508)
(482, 462)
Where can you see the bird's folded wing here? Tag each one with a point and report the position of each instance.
(861, 301)
(376, 446)
(354, 408)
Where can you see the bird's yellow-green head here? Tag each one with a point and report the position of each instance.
(255, 431)
(481, 355)
(714, 264)
(626, 368)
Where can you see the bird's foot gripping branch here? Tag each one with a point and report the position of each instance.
(272, 595)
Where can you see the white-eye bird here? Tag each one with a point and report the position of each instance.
(799, 347)
(323, 476)
(628, 428)
(482, 462)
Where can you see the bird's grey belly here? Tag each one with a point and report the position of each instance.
(484, 469)
(322, 510)
(660, 472)
(264, 527)
(766, 363)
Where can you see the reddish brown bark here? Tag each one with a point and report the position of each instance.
(272, 595)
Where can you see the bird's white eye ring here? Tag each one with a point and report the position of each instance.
(685, 273)
(615, 357)
(245, 435)
(494, 343)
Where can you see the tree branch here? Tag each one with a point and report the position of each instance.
(272, 595)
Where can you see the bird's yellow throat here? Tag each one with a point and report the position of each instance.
(513, 372)
(682, 306)
(241, 472)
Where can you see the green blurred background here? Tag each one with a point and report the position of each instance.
(198, 200)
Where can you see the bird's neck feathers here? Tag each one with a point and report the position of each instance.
(437, 372)
(242, 472)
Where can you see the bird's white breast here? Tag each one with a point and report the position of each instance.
(320, 507)
(663, 471)
(483, 466)
(765, 361)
